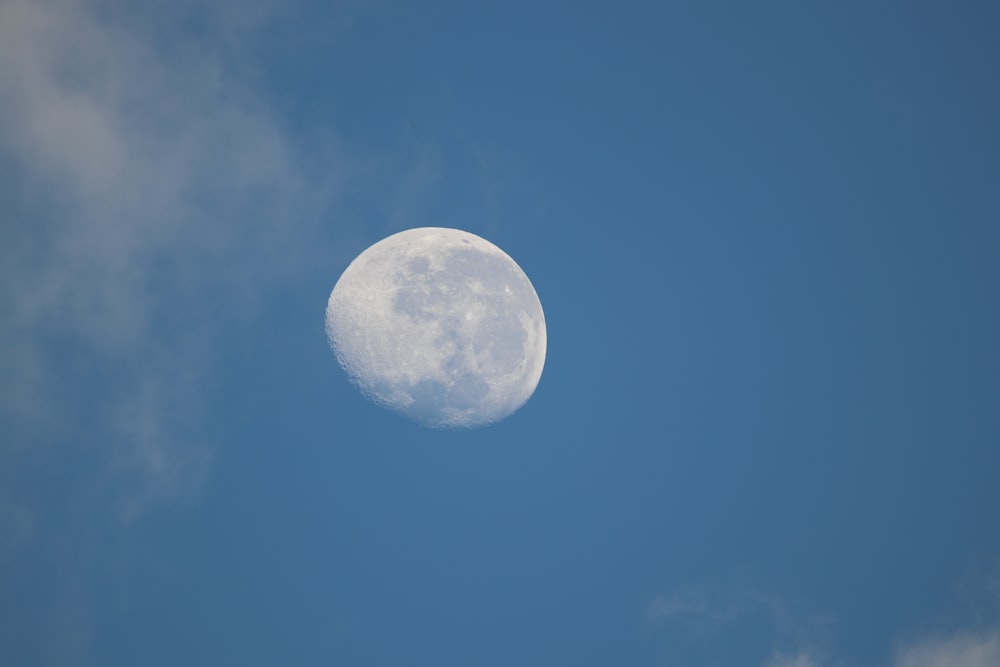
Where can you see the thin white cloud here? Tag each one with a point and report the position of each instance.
(665, 606)
(963, 649)
(800, 659)
(704, 622)
(149, 192)
(149, 198)
(697, 604)
(803, 639)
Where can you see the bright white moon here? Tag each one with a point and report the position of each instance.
(439, 325)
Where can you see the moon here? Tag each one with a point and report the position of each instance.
(439, 325)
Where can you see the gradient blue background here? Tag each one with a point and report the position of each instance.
(765, 236)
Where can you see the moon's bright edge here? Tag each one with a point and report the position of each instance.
(440, 325)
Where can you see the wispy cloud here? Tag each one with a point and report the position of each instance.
(691, 602)
(794, 637)
(149, 194)
(707, 625)
(699, 606)
(962, 649)
(149, 199)
(800, 659)
(966, 634)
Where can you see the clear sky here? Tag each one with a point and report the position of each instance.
(766, 237)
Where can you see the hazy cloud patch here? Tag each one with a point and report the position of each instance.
(965, 634)
(770, 631)
(694, 604)
(703, 626)
(151, 202)
(801, 659)
(963, 649)
(151, 194)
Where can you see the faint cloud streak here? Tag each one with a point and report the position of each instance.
(151, 194)
(964, 649)
(803, 639)
(801, 659)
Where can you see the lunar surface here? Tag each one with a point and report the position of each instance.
(439, 325)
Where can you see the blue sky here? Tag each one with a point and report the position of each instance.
(765, 239)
